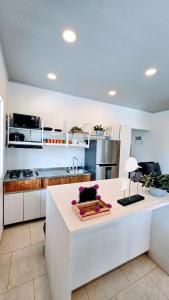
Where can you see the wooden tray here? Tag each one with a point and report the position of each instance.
(90, 209)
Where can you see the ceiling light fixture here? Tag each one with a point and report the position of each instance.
(112, 93)
(69, 35)
(51, 76)
(150, 72)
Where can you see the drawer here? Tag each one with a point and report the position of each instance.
(23, 185)
(52, 181)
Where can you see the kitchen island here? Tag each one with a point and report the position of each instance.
(80, 251)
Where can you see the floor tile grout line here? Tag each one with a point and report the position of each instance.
(30, 234)
(124, 275)
(157, 285)
(34, 289)
(140, 276)
(9, 270)
(22, 284)
(16, 287)
(87, 293)
(131, 283)
(13, 250)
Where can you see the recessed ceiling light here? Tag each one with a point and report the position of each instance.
(51, 76)
(69, 35)
(150, 72)
(112, 93)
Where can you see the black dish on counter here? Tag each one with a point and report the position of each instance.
(58, 130)
(47, 128)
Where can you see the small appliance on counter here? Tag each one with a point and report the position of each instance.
(26, 121)
(19, 174)
(24, 131)
(102, 158)
(16, 136)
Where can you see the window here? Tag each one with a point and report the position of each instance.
(1, 136)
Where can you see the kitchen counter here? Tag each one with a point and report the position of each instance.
(80, 251)
(46, 173)
(110, 191)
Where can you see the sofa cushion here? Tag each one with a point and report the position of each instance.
(150, 168)
(157, 168)
(147, 167)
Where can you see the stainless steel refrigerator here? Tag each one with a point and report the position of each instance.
(102, 158)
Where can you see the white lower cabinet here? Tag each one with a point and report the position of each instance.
(32, 205)
(43, 203)
(24, 206)
(13, 208)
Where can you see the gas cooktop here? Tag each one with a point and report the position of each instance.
(16, 174)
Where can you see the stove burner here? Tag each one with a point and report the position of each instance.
(14, 174)
(27, 173)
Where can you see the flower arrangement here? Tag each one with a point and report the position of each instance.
(76, 129)
(156, 181)
(98, 128)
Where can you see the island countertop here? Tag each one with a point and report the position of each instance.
(110, 191)
(78, 252)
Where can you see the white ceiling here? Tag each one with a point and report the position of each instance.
(116, 41)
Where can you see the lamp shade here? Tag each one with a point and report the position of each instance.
(131, 165)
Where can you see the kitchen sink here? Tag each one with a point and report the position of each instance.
(78, 171)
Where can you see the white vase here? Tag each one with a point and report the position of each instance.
(157, 192)
(100, 132)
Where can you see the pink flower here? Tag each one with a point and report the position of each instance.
(97, 209)
(81, 189)
(98, 197)
(109, 205)
(82, 211)
(96, 186)
(74, 202)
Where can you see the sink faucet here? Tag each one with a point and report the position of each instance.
(75, 159)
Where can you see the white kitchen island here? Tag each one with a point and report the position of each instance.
(80, 251)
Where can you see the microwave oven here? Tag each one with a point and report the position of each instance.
(26, 121)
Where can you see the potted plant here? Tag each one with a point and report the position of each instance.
(76, 129)
(158, 184)
(99, 130)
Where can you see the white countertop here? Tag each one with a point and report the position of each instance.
(110, 192)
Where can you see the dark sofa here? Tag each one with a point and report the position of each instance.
(150, 167)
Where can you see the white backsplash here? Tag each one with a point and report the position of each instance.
(49, 157)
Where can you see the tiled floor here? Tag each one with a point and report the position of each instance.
(23, 274)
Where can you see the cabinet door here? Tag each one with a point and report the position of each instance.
(72, 179)
(31, 205)
(13, 208)
(84, 178)
(78, 178)
(52, 181)
(43, 203)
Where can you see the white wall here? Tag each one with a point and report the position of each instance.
(160, 139)
(3, 94)
(155, 143)
(55, 108)
(142, 151)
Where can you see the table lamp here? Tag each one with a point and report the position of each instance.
(131, 165)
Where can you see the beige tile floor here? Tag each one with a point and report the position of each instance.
(23, 274)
